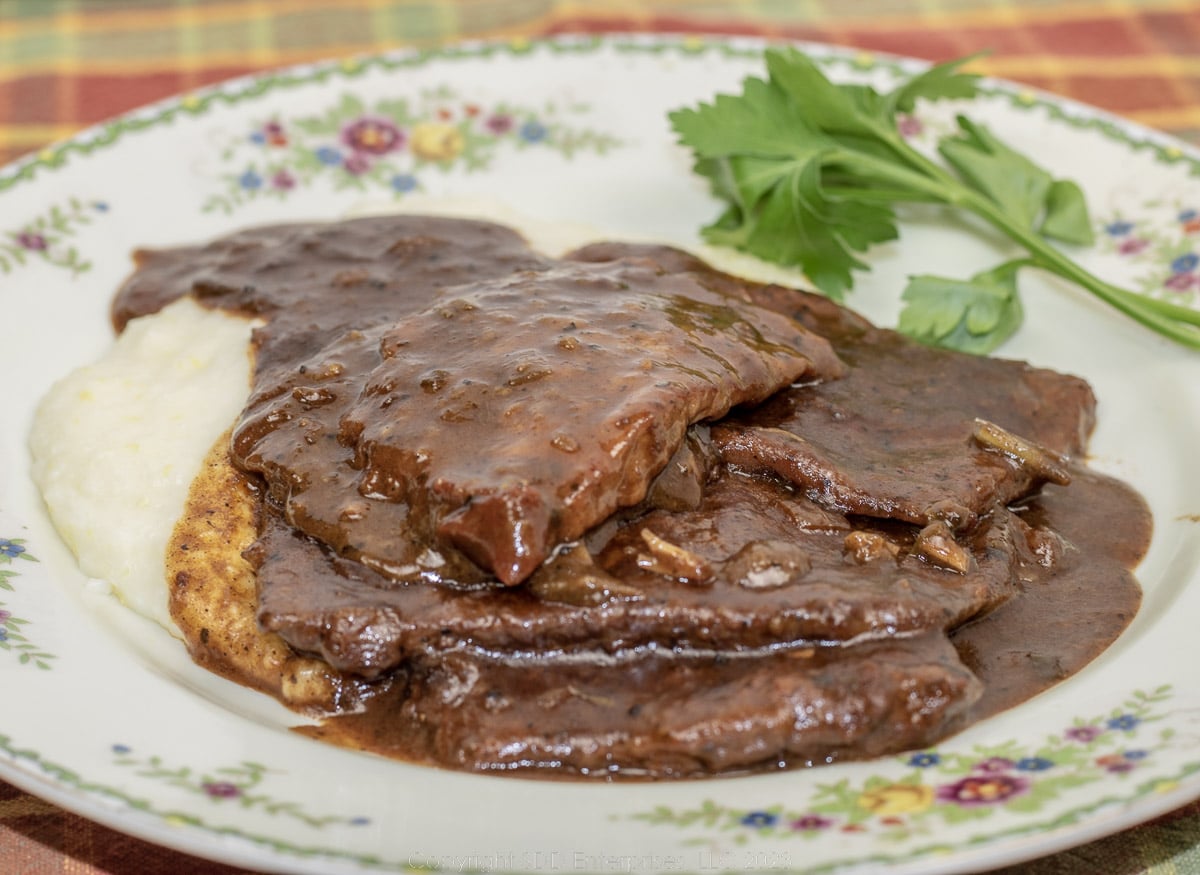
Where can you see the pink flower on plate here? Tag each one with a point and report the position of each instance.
(1084, 734)
(373, 136)
(274, 134)
(1133, 245)
(1180, 282)
(983, 790)
(31, 241)
(810, 822)
(356, 164)
(499, 124)
(283, 180)
(222, 789)
(994, 764)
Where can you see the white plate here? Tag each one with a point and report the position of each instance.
(105, 715)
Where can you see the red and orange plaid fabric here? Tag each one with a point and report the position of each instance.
(65, 64)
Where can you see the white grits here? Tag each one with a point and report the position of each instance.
(116, 444)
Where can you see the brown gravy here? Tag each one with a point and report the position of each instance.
(808, 554)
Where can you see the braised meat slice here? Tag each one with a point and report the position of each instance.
(509, 415)
(816, 312)
(754, 565)
(671, 716)
(915, 433)
(324, 275)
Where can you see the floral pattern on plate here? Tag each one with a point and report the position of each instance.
(47, 237)
(239, 785)
(390, 145)
(939, 789)
(13, 639)
(952, 786)
(1163, 240)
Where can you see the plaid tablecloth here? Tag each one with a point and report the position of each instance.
(65, 64)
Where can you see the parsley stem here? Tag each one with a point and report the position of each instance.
(925, 180)
(1178, 323)
(1181, 324)
(908, 181)
(1166, 308)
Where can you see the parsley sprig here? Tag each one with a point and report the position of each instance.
(811, 172)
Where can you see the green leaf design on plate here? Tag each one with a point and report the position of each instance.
(13, 629)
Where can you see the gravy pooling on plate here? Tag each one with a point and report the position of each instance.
(621, 514)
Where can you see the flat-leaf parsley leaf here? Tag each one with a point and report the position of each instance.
(974, 315)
